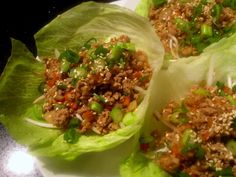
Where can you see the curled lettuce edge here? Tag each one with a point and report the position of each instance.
(143, 7)
(22, 75)
(217, 63)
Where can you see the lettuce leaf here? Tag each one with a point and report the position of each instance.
(217, 63)
(22, 76)
(143, 7)
(137, 165)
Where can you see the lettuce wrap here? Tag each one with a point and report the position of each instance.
(217, 63)
(187, 28)
(23, 74)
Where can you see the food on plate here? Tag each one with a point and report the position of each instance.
(202, 132)
(90, 89)
(193, 130)
(186, 27)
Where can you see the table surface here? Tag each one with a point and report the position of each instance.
(14, 159)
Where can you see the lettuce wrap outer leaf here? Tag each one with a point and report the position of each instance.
(22, 76)
(173, 82)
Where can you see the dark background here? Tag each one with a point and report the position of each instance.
(21, 19)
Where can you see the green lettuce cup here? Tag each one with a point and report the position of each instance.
(23, 74)
(216, 65)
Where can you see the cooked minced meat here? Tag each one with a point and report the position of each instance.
(201, 126)
(187, 27)
(95, 86)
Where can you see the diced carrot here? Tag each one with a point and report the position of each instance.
(126, 101)
(53, 79)
(73, 105)
(51, 82)
(88, 115)
(60, 98)
(137, 74)
(175, 149)
(69, 96)
(227, 90)
(205, 136)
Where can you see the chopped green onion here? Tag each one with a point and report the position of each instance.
(197, 11)
(196, 39)
(196, 147)
(59, 106)
(70, 56)
(79, 72)
(71, 136)
(231, 100)
(202, 92)
(62, 86)
(221, 92)
(101, 51)
(116, 56)
(65, 66)
(116, 114)
(189, 144)
(178, 118)
(216, 11)
(226, 172)
(206, 30)
(127, 46)
(116, 52)
(157, 3)
(200, 152)
(181, 174)
(174, 118)
(74, 122)
(230, 3)
(182, 25)
(87, 44)
(183, 107)
(234, 89)
(41, 87)
(188, 137)
(220, 86)
(96, 107)
(231, 146)
(74, 81)
(100, 98)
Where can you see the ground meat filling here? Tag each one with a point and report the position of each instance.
(96, 85)
(202, 125)
(187, 27)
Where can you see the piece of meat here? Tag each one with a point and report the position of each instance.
(59, 118)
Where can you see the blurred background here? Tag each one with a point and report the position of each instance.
(22, 19)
